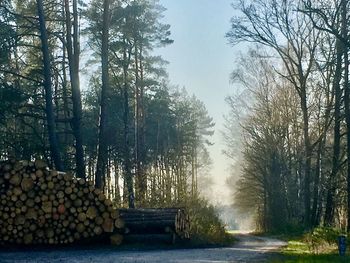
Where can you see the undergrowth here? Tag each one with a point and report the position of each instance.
(206, 227)
(318, 245)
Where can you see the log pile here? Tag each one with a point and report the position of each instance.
(42, 206)
(141, 224)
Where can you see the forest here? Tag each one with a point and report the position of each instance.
(292, 108)
(96, 142)
(81, 88)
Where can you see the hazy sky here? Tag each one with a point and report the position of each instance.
(201, 61)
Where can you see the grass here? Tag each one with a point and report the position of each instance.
(298, 251)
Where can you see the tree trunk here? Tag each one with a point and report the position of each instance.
(73, 51)
(116, 184)
(308, 152)
(316, 194)
(53, 139)
(66, 112)
(102, 146)
(346, 103)
(127, 161)
(329, 213)
(139, 127)
(138, 183)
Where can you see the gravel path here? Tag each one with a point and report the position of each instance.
(248, 249)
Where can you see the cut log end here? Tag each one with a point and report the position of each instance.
(42, 206)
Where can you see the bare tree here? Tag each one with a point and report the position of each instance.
(332, 17)
(278, 25)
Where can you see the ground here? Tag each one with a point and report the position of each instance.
(249, 248)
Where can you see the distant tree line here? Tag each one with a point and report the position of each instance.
(141, 141)
(295, 126)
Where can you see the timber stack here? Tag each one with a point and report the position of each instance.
(150, 223)
(42, 206)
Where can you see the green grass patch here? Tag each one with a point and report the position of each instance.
(299, 250)
(319, 258)
(296, 247)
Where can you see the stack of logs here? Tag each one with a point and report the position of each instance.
(143, 224)
(42, 206)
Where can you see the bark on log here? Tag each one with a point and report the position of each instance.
(156, 221)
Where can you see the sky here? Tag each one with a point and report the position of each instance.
(201, 60)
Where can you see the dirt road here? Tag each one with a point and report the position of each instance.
(248, 249)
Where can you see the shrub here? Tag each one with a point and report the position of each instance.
(206, 227)
(322, 238)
